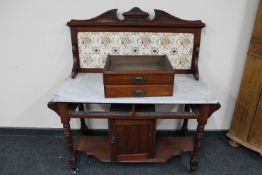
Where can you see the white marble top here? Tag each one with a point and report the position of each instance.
(89, 88)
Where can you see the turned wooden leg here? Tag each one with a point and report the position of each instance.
(197, 143)
(65, 119)
(205, 112)
(84, 128)
(69, 144)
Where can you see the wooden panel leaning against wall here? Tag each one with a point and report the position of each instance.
(246, 126)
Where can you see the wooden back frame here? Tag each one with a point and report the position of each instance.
(136, 20)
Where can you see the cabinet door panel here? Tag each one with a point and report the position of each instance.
(121, 139)
(132, 139)
(144, 134)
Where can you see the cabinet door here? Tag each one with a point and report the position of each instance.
(132, 140)
(255, 135)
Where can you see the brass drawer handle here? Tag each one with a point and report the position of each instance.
(138, 80)
(139, 92)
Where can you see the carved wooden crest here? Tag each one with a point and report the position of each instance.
(137, 17)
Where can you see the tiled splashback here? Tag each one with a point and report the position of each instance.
(95, 46)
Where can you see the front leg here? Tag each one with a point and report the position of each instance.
(205, 112)
(69, 144)
(63, 112)
(197, 143)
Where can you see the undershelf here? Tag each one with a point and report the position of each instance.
(167, 147)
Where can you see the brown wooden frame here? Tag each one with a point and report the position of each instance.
(136, 20)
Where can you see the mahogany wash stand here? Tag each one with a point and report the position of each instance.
(132, 121)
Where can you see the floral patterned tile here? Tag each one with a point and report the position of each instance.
(95, 46)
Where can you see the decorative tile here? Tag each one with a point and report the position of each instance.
(95, 46)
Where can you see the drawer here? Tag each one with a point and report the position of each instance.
(138, 90)
(138, 78)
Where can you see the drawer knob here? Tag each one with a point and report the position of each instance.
(139, 92)
(138, 80)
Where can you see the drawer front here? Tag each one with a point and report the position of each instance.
(138, 90)
(138, 79)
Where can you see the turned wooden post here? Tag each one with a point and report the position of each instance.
(205, 112)
(65, 119)
(202, 120)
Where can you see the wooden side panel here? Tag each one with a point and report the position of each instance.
(255, 135)
(247, 99)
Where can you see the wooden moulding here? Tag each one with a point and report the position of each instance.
(166, 147)
(136, 20)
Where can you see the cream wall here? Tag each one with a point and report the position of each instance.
(35, 52)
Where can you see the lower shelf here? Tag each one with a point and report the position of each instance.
(166, 147)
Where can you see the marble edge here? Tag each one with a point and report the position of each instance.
(135, 101)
